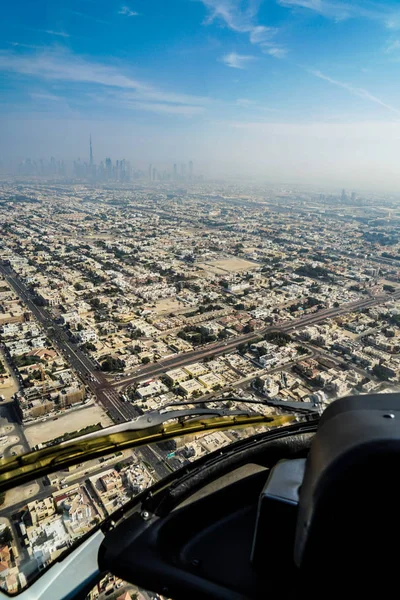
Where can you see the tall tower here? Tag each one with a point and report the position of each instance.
(190, 169)
(91, 151)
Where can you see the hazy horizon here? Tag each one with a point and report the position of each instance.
(285, 90)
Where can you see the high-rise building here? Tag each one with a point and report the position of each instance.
(108, 168)
(154, 174)
(190, 169)
(175, 172)
(91, 151)
(183, 170)
(150, 172)
(353, 196)
(344, 196)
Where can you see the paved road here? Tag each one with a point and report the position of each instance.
(105, 393)
(151, 455)
(108, 396)
(149, 371)
(7, 411)
(339, 360)
(8, 511)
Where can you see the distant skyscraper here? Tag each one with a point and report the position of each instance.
(108, 168)
(353, 196)
(154, 174)
(150, 172)
(175, 172)
(190, 169)
(344, 196)
(91, 151)
(183, 170)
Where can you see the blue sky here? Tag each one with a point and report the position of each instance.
(297, 88)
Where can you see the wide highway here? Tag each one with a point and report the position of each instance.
(152, 370)
(108, 393)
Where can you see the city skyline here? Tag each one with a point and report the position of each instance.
(280, 89)
(106, 169)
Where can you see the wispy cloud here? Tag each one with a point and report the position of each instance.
(388, 16)
(243, 20)
(355, 91)
(164, 109)
(392, 46)
(245, 102)
(86, 16)
(254, 105)
(334, 10)
(22, 45)
(343, 130)
(128, 12)
(393, 21)
(157, 102)
(276, 51)
(57, 33)
(44, 96)
(236, 61)
(62, 66)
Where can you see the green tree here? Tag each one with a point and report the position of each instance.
(380, 372)
(280, 338)
(5, 536)
(112, 364)
(301, 350)
(88, 346)
(223, 334)
(258, 383)
(95, 302)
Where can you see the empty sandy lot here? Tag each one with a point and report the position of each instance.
(12, 385)
(43, 432)
(169, 305)
(228, 265)
(20, 493)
